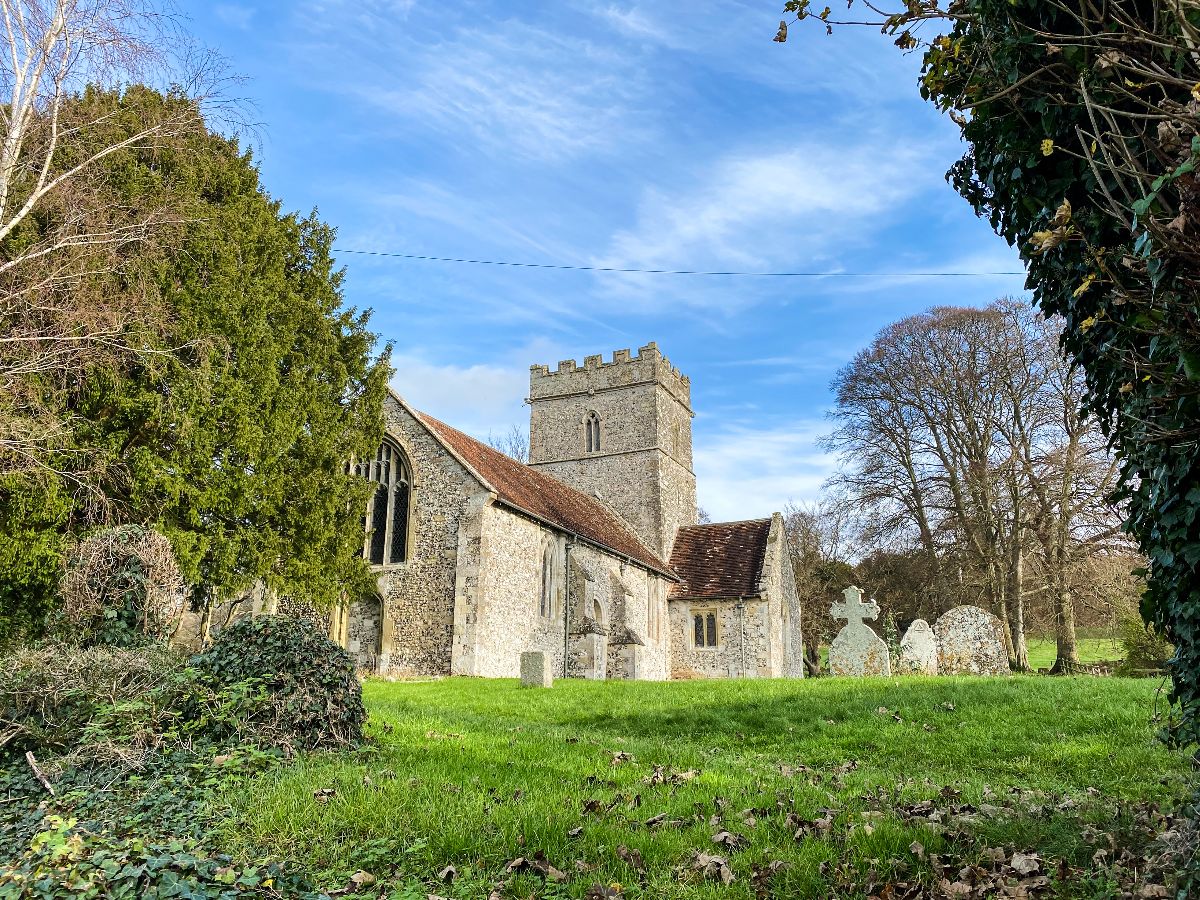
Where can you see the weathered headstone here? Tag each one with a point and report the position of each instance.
(970, 641)
(918, 650)
(857, 650)
(535, 669)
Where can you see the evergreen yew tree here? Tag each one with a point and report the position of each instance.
(1083, 127)
(231, 430)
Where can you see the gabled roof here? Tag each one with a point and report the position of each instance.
(542, 497)
(722, 561)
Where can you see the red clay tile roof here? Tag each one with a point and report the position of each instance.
(720, 561)
(546, 498)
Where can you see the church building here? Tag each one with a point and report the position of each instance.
(590, 553)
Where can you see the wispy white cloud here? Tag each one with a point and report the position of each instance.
(477, 398)
(507, 85)
(763, 211)
(635, 22)
(747, 471)
(235, 15)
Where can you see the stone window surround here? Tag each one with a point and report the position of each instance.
(591, 432)
(705, 611)
(414, 488)
(400, 466)
(550, 589)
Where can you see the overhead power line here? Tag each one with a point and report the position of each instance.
(530, 265)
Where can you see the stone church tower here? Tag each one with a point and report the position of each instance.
(620, 431)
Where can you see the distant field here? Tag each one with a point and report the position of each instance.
(622, 783)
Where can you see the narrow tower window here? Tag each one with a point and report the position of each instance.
(593, 433)
(388, 509)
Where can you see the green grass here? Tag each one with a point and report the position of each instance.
(475, 773)
(1091, 650)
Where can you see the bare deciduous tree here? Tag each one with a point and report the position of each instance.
(962, 435)
(513, 443)
(58, 231)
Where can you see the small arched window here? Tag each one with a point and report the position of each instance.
(388, 509)
(593, 432)
(546, 606)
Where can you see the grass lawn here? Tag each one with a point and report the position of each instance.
(1091, 650)
(621, 782)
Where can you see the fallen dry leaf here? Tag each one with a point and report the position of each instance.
(633, 858)
(713, 867)
(1025, 863)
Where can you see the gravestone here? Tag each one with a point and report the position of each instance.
(857, 650)
(970, 641)
(918, 650)
(535, 669)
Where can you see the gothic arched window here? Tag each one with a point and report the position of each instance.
(593, 432)
(388, 509)
(546, 606)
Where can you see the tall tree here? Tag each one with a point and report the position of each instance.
(234, 434)
(978, 452)
(818, 537)
(56, 229)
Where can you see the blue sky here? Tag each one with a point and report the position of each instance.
(631, 135)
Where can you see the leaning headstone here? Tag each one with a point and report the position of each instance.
(535, 669)
(970, 641)
(918, 650)
(857, 650)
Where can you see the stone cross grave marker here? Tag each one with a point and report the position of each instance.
(857, 650)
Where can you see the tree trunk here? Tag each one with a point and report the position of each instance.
(1067, 657)
(997, 587)
(812, 659)
(1020, 657)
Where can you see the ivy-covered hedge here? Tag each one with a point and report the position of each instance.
(316, 695)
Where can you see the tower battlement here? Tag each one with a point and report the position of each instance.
(621, 430)
(596, 375)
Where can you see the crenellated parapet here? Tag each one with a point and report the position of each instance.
(649, 366)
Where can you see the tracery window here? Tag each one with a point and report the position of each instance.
(388, 510)
(593, 432)
(704, 628)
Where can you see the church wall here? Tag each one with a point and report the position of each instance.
(623, 592)
(780, 580)
(509, 615)
(419, 595)
(747, 627)
(620, 482)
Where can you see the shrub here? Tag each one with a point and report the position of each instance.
(1146, 651)
(316, 697)
(122, 588)
(57, 697)
(67, 860)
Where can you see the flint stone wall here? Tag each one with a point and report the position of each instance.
(970, 642)
(419, 595)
